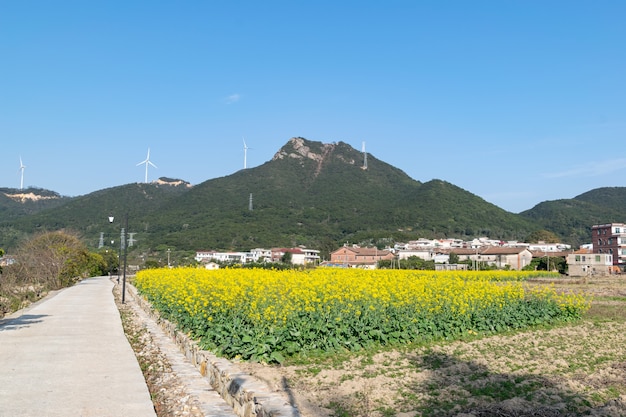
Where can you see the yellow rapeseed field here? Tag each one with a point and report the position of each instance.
(266, 314)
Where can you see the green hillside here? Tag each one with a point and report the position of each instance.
(311, 193)
(88, 214)
(15, 203)
(572, 218)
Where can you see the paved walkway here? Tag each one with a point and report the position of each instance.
(68, 356)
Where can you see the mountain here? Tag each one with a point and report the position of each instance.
(87, 215)
(572, 218)
(310, 193)
(319, 195)
(15, 203)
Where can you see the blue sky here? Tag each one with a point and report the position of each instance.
(517, 102)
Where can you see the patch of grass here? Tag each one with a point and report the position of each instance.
(607, 312)
(367, 360)
(434, 360)
(502, 390)
(387, 412)
(311, 370)
(333, 359)
(613, 391)
(340, 410)
(609, 298)
(346, 377)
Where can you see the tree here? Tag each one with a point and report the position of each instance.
(111, 260)
(542, 236)
(454, 258)
(57, 259)
(286, 258)
(412, 262)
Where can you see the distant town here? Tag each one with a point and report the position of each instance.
(604, 256)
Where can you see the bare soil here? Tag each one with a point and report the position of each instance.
(577, 369)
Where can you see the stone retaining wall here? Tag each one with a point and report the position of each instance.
(248, 396)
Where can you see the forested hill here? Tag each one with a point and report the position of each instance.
(310, 193)
(572, 218)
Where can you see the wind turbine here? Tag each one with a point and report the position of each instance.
(147, 162)
(364, 167)
(245, 154)
(22, 166)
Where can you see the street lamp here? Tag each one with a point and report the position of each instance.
(122, 246)
(476, 259)
(111, 262)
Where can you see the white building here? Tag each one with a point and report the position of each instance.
(548, 247)
(226, 257)
(584, 263)
(299, 256)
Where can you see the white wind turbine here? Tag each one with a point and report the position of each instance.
(22, 166)
(147, 162)
(245, 154)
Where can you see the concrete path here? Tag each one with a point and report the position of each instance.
(68, 356)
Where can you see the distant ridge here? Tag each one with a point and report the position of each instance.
(15, 203)
(310, 193)
(572, 218)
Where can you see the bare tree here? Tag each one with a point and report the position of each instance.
(54, 259)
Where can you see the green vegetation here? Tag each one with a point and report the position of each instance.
(318, 201)
(571, 219)
(48, 261)
(271, 315)
(296, 201)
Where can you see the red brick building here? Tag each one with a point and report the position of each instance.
(357, 256)
(610, 238)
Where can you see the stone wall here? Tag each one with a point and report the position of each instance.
(248, 396)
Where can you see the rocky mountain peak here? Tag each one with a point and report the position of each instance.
(300, 148)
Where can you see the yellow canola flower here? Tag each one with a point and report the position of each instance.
(272, 298)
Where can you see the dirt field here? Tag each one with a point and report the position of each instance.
(578, 369)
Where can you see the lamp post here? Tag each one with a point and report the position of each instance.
(122, 247)
(476, 259)
(109, 260)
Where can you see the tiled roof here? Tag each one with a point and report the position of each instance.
(498, 250)
(365, 251)
(540, 253)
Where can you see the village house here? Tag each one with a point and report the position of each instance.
(503, 257)
(211, 266)
(356, 256)
(584, 262)
(225, 257)
(498, 256)
(610, 238)
(438, 255)
(299, 256)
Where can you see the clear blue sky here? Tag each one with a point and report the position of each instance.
(517, 102)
